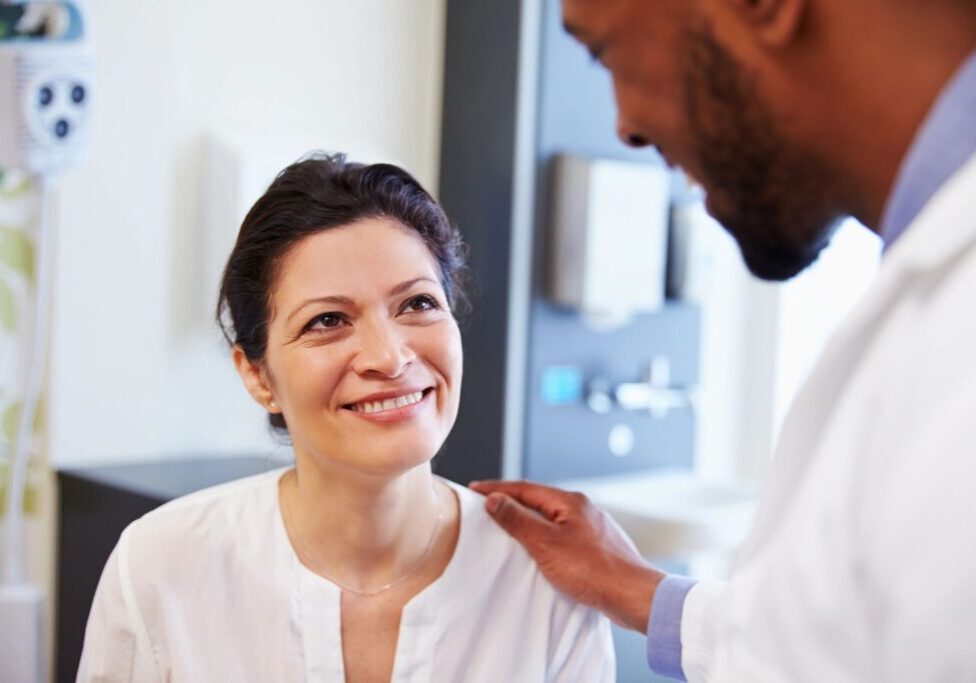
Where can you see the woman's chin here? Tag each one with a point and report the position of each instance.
(392, 468)
(385, 462)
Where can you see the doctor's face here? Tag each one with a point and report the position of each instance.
(678, 88)
(364, 356)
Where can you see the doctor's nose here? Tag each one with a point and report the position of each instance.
(382, 351)
(631, 138)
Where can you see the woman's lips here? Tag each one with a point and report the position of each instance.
(393, 409)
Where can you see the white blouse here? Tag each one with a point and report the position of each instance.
(208, 588)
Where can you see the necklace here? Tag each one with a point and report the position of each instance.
(375, 591)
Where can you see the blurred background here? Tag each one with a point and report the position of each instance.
(617, 344)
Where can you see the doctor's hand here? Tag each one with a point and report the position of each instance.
(578, 547)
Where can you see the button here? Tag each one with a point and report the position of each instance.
(62, 128)
(78, 94)
(45, 96)
(562, 385)
(620, 440)
(598, 396)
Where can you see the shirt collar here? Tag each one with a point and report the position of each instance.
(946, 139)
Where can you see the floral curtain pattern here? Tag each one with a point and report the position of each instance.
(18, 215)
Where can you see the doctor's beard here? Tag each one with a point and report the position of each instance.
(775, 201)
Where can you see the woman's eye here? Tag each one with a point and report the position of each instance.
(326, 320)
(424, 302)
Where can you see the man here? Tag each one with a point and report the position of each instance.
(792, 114)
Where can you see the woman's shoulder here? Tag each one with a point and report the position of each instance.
(486, 553)
(484, 544)
(216, 512)
(501, 579)
(476, 522)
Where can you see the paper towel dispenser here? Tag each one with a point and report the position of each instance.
(609, 232)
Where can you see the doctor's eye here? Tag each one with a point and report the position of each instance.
(423, 302)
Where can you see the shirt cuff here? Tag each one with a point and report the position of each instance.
(664, 626)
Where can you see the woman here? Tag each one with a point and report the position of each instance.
(357, 564)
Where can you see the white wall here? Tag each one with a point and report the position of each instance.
(733, 400)
(136, 371)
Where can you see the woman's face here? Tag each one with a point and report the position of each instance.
(364, 356)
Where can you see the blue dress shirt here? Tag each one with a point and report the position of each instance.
(942, 145)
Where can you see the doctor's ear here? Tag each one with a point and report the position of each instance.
(775, 22)
(255, 378)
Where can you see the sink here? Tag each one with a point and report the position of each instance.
(674, 514)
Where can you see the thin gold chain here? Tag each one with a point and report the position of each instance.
(376, 591)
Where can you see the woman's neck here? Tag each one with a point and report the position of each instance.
(362, 531)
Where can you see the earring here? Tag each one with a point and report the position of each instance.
(272, 404)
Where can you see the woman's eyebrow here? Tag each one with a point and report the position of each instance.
(404, 286)
(342, 300)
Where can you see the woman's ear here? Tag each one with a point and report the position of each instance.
(775, 22)
(255, 379)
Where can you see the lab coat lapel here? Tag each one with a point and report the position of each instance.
(944, 229)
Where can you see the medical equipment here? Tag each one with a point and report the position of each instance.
(46, 74)
(46, 85)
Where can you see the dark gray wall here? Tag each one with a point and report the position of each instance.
(476, 189)
(575, 113)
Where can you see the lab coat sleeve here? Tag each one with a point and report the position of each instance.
(699, 628)
(919, 548)
(117, 644)
(582, 648)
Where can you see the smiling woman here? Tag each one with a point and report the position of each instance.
(349, 346)
(356, 564)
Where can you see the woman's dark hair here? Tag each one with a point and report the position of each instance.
(318, 193)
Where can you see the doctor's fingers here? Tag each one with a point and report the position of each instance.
(569, 512)
(554, 504)
(585, 555)
(524, 524)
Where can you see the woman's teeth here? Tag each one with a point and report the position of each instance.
(389, 404)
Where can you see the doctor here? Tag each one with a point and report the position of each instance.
(792, 114)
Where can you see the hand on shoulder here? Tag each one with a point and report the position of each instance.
(579, 548)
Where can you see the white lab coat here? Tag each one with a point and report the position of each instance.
(208, 588)
(862, 562)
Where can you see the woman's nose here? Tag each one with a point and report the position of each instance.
(383, 350)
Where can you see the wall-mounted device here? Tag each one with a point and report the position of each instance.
(46, 74)
(609, 237)
(655, 394)
(46, 82)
